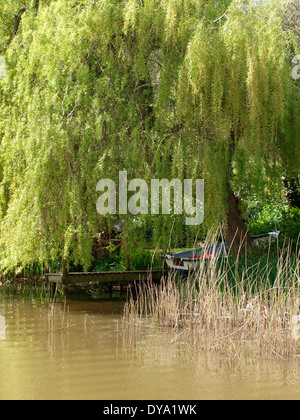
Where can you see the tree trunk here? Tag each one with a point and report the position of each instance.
(237, 236)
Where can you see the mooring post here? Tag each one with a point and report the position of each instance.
(64, 275)
(64, 272)
(52, 289)
(110, 289)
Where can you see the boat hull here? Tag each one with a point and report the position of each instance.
(186, 261)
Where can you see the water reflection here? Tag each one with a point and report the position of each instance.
(80, 350)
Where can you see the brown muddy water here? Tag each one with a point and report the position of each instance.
(77, 350)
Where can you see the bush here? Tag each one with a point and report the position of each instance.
(290, 224)
(268, 219)
(140, 259)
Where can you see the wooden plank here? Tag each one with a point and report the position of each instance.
(53, 277)
(106, 276)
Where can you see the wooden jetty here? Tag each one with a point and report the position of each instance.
(110, 278)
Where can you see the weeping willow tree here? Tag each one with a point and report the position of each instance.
(182, 89)
(291, 24)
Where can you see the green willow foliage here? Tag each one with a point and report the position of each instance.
(160, 88)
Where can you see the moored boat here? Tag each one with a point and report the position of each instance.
(186, 261)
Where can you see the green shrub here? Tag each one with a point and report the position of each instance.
(140, 259)
(268, 219)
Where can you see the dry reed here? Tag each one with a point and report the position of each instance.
(227, 306)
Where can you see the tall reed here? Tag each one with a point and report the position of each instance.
(227, 304)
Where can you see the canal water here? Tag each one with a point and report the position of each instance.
(78, 350)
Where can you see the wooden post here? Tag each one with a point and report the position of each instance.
(127, 262)
(52, 290)
(64, 272)
(64, 276)
(110, 289)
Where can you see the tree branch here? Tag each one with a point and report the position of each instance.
(221, 17)
(36, 5)
(17, 20)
